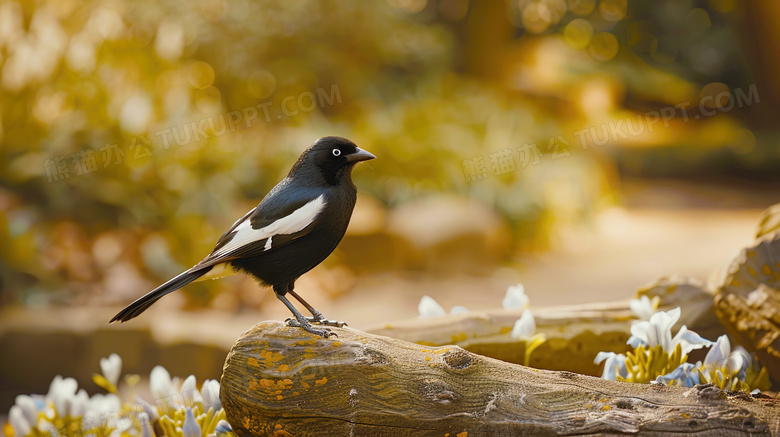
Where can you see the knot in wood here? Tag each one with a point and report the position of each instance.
(459, 359)
(439, 391)
(709, 392)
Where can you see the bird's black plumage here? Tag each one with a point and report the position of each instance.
(294, 228)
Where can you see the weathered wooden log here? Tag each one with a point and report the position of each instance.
(283, 381)
(578, 332)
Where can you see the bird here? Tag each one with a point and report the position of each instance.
(293, 229)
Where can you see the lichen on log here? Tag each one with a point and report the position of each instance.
(279, 380)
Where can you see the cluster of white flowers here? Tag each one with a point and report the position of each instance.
(524, 328)
(653, 330)
(181, 409)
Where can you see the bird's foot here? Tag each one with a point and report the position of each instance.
(324, 332)
(318, 318)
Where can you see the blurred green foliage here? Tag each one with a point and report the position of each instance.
(134, 133)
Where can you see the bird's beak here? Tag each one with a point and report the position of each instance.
(360, 155)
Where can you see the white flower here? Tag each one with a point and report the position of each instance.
(615, 365)
(78, 408)
(111, 368)
(146, 425)
(147, 408)
(721, 356)
(189, 391)
(428, 307)
(62, 393)
(210, 392)
(685, 375)
(19, 422)
(515, 297)
(29, 408)
(48, 429)
(458, 309)
(644, 307)
(658, 331)
(719, 352)
(160, 383)
(689, 340)
(190, 427)
(101, 409)
(524, 326)
(223, 427)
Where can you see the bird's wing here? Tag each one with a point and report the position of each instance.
(267, 227)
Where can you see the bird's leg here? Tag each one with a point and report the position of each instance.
(317, 316)
(301, 321)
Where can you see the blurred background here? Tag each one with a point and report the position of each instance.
(581, 147)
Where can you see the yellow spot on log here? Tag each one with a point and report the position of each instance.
(321, 381)
(245, 422)
(252, 362)
(765, 269)
(285, 383)
(279, 432)
(284, 368)
(253, 384)
(506, 329)
(685, 415)
(305, 385)
(336, 343)
(671, 288)
(441, 350)
(751, 253)
(752, 271)
(606, 408)
(463, 434)
(266, 383)
(734, 283)
(279, 397)
(271, 356)
(427, 358)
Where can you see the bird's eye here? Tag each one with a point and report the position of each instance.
(336, 152)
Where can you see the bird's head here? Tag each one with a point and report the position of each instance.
(332, 158)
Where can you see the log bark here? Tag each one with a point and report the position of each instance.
(578, 332)
(282, 381)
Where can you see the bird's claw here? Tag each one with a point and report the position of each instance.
(320, 320)
(306, 325)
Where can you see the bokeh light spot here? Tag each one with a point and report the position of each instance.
(578, 33)
(603, 46)
(201, 75)
(613, 10)
(208, 99)
(581, 7)
(744, 142)
(261, 84)
(715, 95)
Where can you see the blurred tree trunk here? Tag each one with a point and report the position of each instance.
(760, 35)
(484, 38)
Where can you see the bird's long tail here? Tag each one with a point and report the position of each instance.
(145, 301)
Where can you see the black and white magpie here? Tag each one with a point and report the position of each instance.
(294, 228)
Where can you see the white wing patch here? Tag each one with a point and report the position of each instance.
(243, 234)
